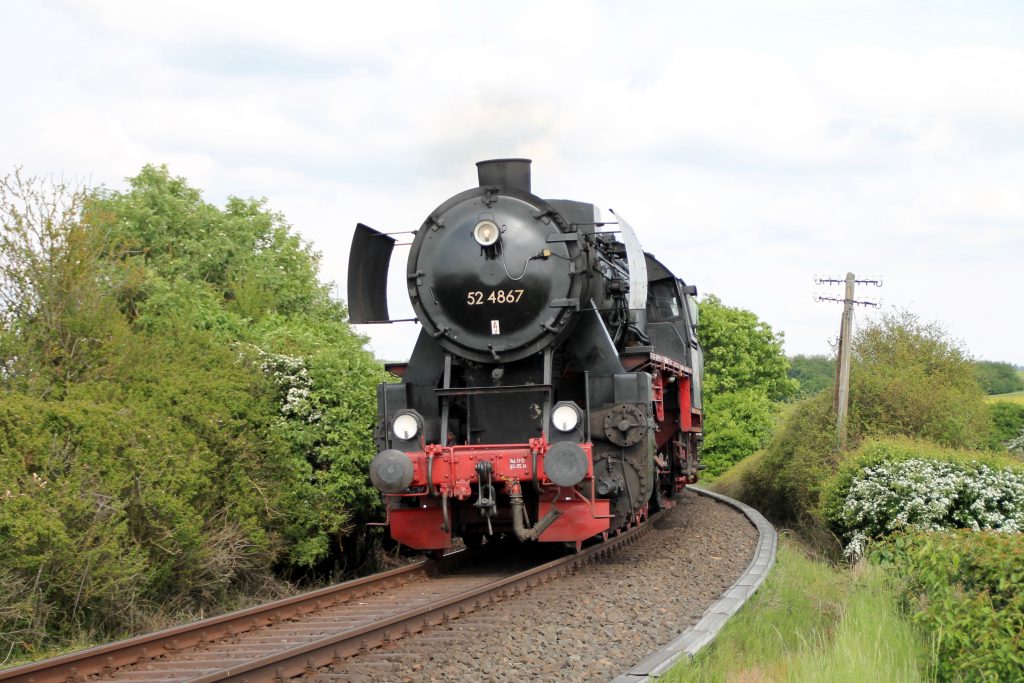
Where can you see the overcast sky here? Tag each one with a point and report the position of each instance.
(752, 145)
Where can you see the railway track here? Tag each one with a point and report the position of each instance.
(295, 636)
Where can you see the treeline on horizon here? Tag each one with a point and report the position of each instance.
(817, 372)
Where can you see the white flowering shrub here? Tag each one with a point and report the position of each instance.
(292, 378)
(924, 494)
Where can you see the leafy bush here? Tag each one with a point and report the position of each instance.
(737, 424)
(909, 379)
(183, 408)
(1007, 423)
(787, 481)
(891, 486)
(966, 589)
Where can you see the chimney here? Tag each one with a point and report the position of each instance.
(510, 174)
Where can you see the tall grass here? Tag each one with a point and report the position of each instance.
(811, 622)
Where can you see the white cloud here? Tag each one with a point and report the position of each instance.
(751, 146)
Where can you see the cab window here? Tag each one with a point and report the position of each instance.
(663, 300)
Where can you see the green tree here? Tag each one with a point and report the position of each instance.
(998, 378)
(742, 352)
(814, 373)
(241, 274)
(744, 373)
(909, 378)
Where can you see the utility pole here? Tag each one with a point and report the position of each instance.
(841, 393)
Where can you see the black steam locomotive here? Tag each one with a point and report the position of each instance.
(554, 391)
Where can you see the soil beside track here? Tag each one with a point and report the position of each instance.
(588, 626)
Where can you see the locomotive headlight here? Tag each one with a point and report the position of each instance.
(406, 425)
(565, 417)
(486, 233)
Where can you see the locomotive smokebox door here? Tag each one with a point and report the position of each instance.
(496, 274)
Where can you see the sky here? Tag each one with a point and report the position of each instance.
(753, 146)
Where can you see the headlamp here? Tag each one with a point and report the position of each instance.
(486, 233)
(565, 417)
(405, 426)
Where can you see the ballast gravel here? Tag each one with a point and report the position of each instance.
(590, 626)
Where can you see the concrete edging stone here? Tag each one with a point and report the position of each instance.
(690, 641)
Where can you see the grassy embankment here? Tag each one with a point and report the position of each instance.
(944, 606)
(927, 603)
(814, 622)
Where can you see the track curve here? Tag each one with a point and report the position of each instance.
(701, 634)
(294, 636)
(606, 599)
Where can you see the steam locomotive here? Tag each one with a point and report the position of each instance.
(554, 391)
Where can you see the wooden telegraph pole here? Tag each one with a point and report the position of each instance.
(841, 395)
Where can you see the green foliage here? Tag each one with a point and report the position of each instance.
(998, 378)
(814, 373)
(130, 493)
(1007, 423)
(966, 589)
(183, 407)
(54, 314)
(741, 352)
(787, 482)
(221, 268)
(736, 424)
(907, 378)
(744, 372)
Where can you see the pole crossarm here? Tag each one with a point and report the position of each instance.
(873, 304)
(835, 281)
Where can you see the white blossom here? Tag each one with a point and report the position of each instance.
(292, 378)
(930, 495)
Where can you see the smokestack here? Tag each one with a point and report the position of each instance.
(512, 174)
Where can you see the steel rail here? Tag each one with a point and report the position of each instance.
(305, 659)
(76, 666)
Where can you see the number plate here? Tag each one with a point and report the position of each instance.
(495, 296)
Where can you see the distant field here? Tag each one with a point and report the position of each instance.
(1015, 397)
